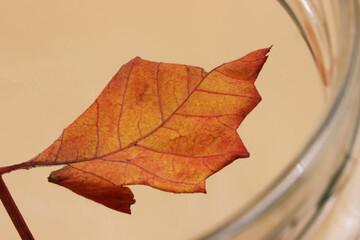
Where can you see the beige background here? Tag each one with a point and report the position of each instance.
(56, 57)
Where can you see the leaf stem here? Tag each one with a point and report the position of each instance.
(24, 165)
(14, 212)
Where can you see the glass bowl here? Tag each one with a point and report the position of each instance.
(298, 204)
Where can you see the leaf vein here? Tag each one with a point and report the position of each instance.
(123, 103)
(158, 92)
(149, 172)
(95, 175)
(227, 94)
(61, 142)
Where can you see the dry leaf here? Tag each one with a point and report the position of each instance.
(168, 126)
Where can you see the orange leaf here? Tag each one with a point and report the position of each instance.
(168, 126)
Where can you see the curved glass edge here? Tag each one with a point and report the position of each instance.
(293, 201)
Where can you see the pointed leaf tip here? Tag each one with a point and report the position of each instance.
(246, 68)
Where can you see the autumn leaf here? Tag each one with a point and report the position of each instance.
(168, 126)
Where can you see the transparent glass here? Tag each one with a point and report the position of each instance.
(292, 207)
